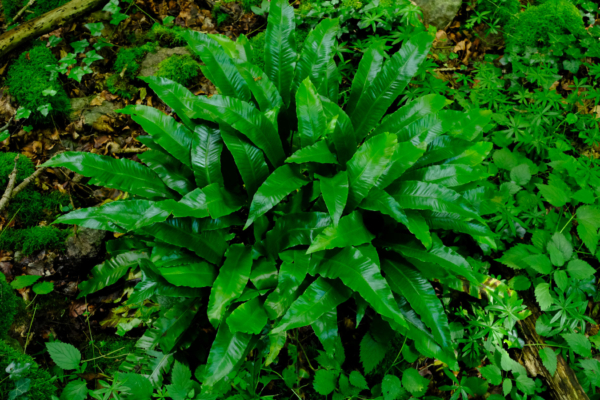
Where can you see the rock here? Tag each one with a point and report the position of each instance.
(91, 113)
(439, 13)
(151, 61)
(85, 243)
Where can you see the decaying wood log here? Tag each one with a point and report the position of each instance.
(46, 23)
(564, 384)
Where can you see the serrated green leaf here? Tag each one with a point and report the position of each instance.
(324, 382)
(23, 281)
(414, 382)
(580, 269)
(542, 295)
(549, 359)
(391, 388)
(579, 343)
(75, 390)
(492, 373)
(43, 287)
(372, 352)
(65, 355)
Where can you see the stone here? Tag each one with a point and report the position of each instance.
(86, 243)
(150, 64)
(439, 13)
(82, 106)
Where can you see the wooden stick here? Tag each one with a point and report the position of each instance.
(9, 189)
(27, 181)
(23, 10)
(46, 23)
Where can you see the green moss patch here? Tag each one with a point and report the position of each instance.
(33, 239)
(41, 387)
(25, 168)
(129, 60)
(535, 25)
(179, 68)
(12, 7)
(27, 79)
(8, 306)
(166, 36)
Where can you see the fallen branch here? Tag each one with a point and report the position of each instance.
(564, 384)
(8, 193)
(23, 9)
(27, 181)
(46, 23)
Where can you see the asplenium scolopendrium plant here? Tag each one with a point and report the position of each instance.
(286, 205)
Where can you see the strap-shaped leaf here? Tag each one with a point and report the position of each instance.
(248, 120)
(226, 353)
(278, 185)
(232, 279)
(424, 130)
(439, 254)
(249, 160)
(441, 149)
(318, 152)
(175, 321)
(379, 200)
(409, 282)
(405, 156)
(173, 173)
(316, 53)
(312, 122)
(335, 194)
(342, 135)
(448, 175)
(467, 126)
(127, 215)
(221, 202)
(222, 71)
(206, 149)
(351, 231)
(168, 133)
(122, 174)
(176, 96)
(322, 296)
(411, 112)
(280, 47)
(453, 222)
(264, 91)
(472, 156)
(237, 50)
(330, 86)
(191, 275)
(250, 317)
(184, 232)
(192, 204)
(367, 165)
(110, 271)
(368, 68)
(292, 272)
(361, 274)
(153, 283)
(390, 83)
(295, 229)
(416, 195)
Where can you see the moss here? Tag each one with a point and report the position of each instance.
(31, 207)
(352, 3)
(8, 306)
(120, 86)
(33, 239)
(27, 79)
(534, 26)
(25, 168)
(504, 13)
(129, 60)
(179, 68)
(165, 36)
(41, 387)
(12, 7)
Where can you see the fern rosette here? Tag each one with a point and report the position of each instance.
(269, 205)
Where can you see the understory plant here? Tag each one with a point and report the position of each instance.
(269, 206)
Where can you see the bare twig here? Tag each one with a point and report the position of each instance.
(7, 124)
(27, 181)
(23, 9)
(11, 184)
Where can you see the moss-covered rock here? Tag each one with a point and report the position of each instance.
(41, 387)
(27, 79)
(129, 60)
(33, 239)
(166, 36)
(534, 26)
(179, 68)
(12, 7)
(8, 306)
(120, 86)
